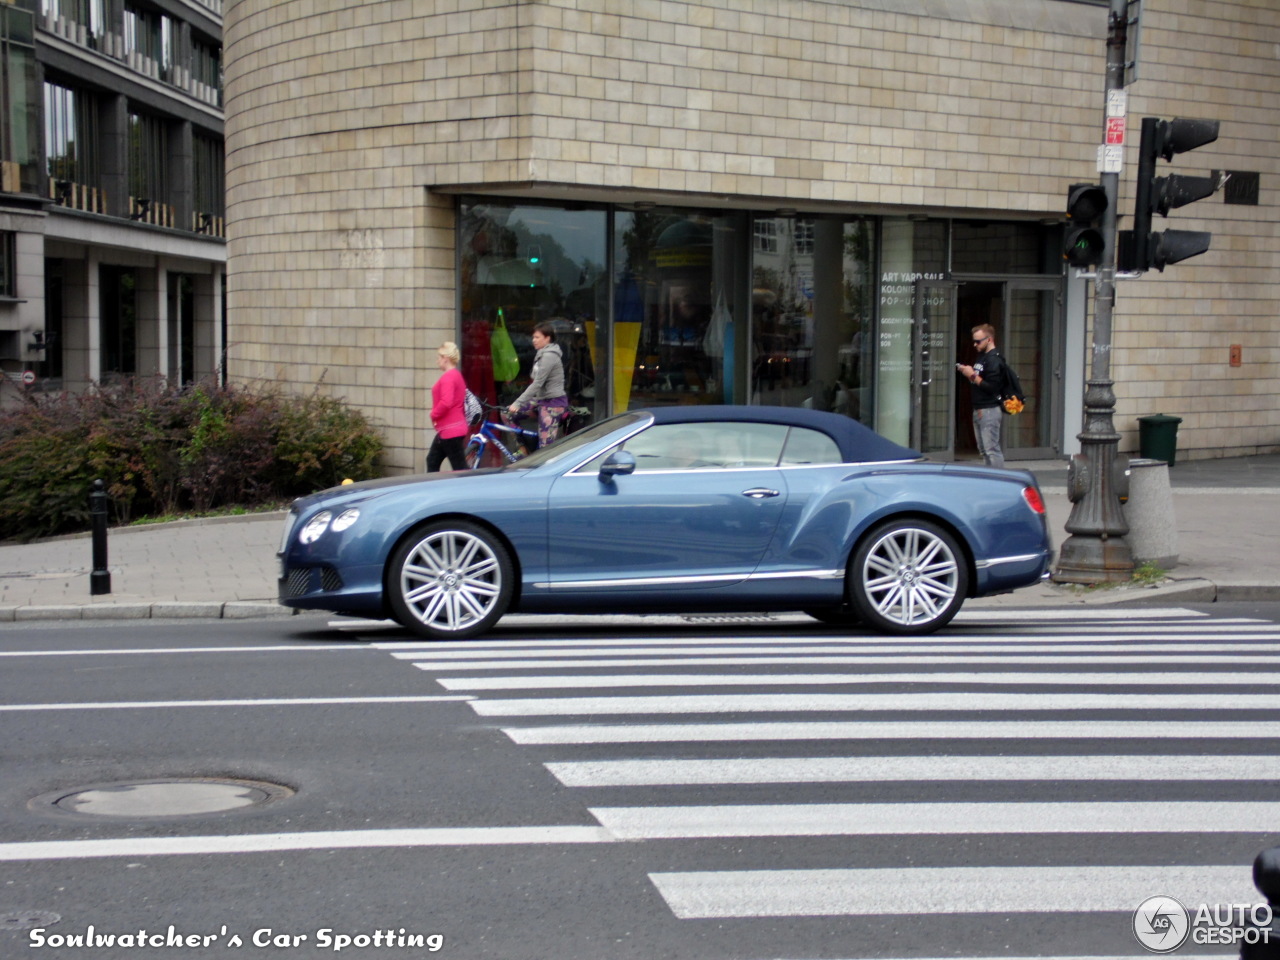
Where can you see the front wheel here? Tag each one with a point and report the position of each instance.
(908, 577)
(449, 580)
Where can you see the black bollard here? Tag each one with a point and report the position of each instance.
(1266, 877)
(100, 578)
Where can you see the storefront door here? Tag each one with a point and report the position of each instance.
(1025, 314)
(933, 353)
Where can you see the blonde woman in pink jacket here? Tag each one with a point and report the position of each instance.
(447, 415)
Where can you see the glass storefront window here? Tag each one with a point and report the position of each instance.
(522, 265)
(673, 333)
(813, 314)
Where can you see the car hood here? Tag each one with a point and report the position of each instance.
(365, 489)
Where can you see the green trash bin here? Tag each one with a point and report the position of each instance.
(1158, 437)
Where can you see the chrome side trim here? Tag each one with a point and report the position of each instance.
(692, 580)
(996, 561)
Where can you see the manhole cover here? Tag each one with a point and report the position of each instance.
(27, 919)
(176, 797)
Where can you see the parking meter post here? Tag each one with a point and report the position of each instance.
(100, 577)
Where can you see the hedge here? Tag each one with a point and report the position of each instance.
(163, 451)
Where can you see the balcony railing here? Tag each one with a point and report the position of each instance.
(113, 46)
(145, 210)
(77, 196)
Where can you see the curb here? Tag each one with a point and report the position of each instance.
(160, 610)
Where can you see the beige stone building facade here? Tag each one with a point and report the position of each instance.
(752, 201)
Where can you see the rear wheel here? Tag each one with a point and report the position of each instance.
(473, 454)
(450, 580)
(908, 577)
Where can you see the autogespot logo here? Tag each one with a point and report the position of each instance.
(1161, 924)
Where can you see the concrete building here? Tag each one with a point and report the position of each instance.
(112, 205)
(752, 201)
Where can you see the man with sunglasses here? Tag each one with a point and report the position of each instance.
(989, 383)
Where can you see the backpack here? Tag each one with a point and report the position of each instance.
(471, 407)
(1013, 399)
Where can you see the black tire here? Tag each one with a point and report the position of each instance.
(844, 616)
(449, 580)
(472, 455)
(907, 577)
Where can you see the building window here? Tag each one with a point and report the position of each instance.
(8, 264)
(19, 103)
(522, 265)
(146, 34)
(210, 184)
(148, 165)
(804, 238)
(119, 321)
(71, 139)
(206, 65)
(766, 234)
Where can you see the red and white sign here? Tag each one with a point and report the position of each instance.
(28, 376)
(1115, 130)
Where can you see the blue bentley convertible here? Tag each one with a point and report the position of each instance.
(677, 509)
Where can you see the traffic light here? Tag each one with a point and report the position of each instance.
(1164, 138)
(1086, 203)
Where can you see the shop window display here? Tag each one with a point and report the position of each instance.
(521, 266)
(673, 329)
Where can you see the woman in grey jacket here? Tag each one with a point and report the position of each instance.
(546, 389)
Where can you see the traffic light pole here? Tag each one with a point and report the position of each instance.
(1096, 551)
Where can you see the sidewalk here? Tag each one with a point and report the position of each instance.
(1225, 513)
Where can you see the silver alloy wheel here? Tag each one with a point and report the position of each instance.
(451, 580)
(910, 576)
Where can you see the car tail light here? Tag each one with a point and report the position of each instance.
(1032, 496)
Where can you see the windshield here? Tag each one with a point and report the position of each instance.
(575, 441)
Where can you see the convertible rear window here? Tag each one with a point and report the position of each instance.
(806, 447)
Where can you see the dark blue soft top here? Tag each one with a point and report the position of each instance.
(857, 443)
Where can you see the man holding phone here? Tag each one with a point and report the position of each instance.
(988, 381)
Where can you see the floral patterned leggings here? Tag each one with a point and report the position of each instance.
(550, 416)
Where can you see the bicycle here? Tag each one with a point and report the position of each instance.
(488, 435)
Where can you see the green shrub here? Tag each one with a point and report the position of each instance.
(162, 451)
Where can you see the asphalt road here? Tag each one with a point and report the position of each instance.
(718, 790)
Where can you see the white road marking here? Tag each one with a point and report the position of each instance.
(1009, 677)
(130, 651)
(903, 730)
(835, 702)
(1098, 658)
(265, 702)
(938, 819)
(944, 890)
(317, 840)
(631, 773)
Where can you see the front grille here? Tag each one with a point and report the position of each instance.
(330, 579)
(299, 582)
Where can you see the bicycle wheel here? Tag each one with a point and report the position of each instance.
(474, 453)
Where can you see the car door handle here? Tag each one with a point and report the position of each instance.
(759, 493)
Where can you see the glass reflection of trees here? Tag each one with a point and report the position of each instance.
(813, 314)
(517, 270)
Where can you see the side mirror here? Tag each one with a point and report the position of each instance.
(617, 464)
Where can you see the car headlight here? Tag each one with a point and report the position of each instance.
(315, 527)
(345, 519)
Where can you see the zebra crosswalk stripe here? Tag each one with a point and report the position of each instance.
(945, 890)
(932, 769)
(936, 819)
